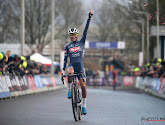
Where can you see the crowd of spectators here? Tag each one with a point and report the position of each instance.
(20, 65)
(155, 69)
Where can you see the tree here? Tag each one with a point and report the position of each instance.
(38, 17)
(112, 21)
(4, 19)
(104, 21)
(148, 6)
(70, 15)
(38, 20)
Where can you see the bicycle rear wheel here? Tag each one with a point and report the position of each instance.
(74, 102)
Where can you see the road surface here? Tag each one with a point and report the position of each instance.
(105, 107)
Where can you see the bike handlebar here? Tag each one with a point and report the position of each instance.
(71, 75)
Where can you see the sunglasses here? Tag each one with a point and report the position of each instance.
(71, 34)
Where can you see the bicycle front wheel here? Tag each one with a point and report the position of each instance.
(74, 102)
(79, 98)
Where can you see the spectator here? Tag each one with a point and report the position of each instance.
(8, 53)
(20, 65)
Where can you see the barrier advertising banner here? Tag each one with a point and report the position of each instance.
(4, 90)
(128, 81)
(38, 81)
(10, 84)
(157, 85)
(32, 83)
(53, 81)
(162, 86)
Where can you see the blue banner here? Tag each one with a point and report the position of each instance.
(38, 81)
(103, 45)
(157, 85)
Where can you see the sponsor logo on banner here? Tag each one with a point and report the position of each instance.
(90, 82)
(154, 83)
(38, 81)
(119, 80)
(58, 80)
(25, 82)
(28, 82)
(9, 83)
(21, 82)
(24, 79)
(157, 85)
(163, 89)
(4, 90)
(102, 44)
(148, 82)
(137, 82)
(145, 81)
(44, 81)
(162, 86)
(12, 80)
(121, 45)
(4, 85)
(128, 81)
(99, 81)
(31, 80)
(49, 80)
(18, 83)
(141, 82)
(53, 81)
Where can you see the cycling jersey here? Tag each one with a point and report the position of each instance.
(75, 51)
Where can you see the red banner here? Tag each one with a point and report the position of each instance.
(31, 80)
(128, 81)
(53, 81)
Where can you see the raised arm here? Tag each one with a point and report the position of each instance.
(86, 28)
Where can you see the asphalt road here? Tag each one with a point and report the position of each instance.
(105, 107)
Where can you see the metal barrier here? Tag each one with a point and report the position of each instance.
(151, 84)
(154, 86)
(15, 85)
(103, 81)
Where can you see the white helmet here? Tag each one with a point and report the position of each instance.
(73, 30)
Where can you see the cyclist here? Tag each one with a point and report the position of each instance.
(114, 74)
(75, 51)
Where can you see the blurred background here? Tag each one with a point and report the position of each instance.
(113, 21)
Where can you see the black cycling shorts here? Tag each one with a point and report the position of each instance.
(78, 68)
